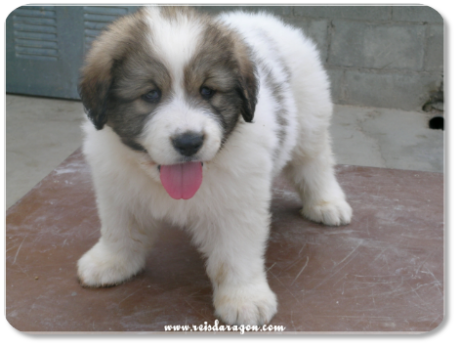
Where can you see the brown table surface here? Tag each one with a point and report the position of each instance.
(381, 273)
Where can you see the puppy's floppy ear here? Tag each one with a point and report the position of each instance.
(249, 89)
(248, 83)
(97, 75)
(96, 79)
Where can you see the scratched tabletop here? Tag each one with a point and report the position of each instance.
(381, 273)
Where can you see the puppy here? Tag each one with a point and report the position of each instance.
(190, 119)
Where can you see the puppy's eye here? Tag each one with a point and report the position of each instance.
(153, 96)
(206, 92)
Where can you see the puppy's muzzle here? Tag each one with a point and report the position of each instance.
(188, 144)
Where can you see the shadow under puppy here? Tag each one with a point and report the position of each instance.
(190, 119)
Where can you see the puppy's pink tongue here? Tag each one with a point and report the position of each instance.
(182, 180)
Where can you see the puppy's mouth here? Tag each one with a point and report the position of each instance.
(181, 180)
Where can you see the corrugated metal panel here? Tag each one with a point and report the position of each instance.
(46, 45)
(35, 33)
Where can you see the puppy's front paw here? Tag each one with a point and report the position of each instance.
(101, 267)
(245, 305)
(334, 212)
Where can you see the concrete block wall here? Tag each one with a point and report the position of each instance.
(378, 56)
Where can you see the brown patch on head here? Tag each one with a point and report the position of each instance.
(97, 74)
(134, 77)
(223, 64)
(120, 69)
(173, 13)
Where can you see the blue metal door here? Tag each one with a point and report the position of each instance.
(45, 46)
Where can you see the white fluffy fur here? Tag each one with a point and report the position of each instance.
(228, 217)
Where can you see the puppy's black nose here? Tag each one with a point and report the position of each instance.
(188, 144)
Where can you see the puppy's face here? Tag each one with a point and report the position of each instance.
(170, 83)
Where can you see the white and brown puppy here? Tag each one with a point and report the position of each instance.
(191, 118)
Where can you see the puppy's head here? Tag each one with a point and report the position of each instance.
(169, 82)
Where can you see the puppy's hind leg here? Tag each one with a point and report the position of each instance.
(311, 170)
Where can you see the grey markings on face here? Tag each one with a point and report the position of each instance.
(136, 78)
(223, 65)
(97, 73)
(119, 71)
